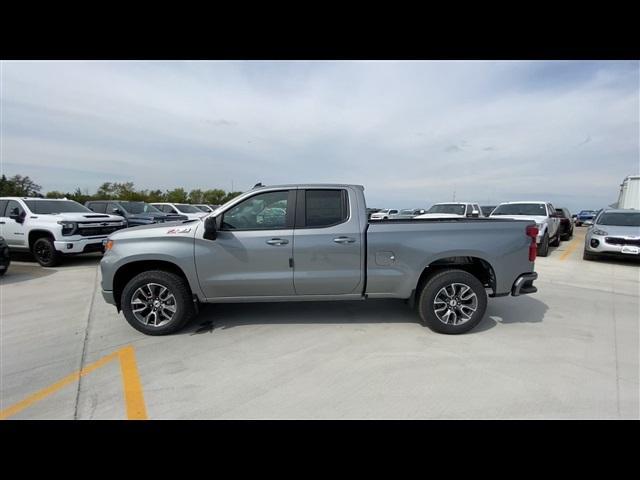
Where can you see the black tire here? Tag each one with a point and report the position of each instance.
(45, 252)
(176, 286)
(556, 240)
(433, 286)
(588, 256)
(543, 248)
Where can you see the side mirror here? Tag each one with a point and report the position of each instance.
(116, 211)
(210, 228)
(17, 216)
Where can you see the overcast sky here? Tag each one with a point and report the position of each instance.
(410, 132)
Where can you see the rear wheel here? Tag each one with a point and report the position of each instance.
(157, 302)
(452, 302)
(45, 252)
(543, 247)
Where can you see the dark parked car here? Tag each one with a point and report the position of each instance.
(566, 223)
(585, 217)
(136, 213)
(487, 209)
(5, 259)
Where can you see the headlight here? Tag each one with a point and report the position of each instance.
(597, 231)
(68, 227)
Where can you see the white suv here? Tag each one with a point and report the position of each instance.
(543, 213)
(191, 211)
(52, 228)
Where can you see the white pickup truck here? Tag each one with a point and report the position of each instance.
(51, 228)
(452, 210)
(543, 213)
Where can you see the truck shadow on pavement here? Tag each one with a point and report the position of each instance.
(227, 315)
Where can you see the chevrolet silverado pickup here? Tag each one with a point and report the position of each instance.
(311, 243)
(53, 228)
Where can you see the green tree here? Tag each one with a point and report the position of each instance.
(229, 196)
(19, 186)
(196, 196)
(55, 194)
(214, 197)
(155, 196)
(105, 191)
(177, 195)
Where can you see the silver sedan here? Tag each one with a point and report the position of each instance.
(613, 233)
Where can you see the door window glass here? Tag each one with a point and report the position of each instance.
(265, 211)
(325, 208)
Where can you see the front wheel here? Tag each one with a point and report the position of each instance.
(452, 302)
(45, 252)
(157, 302)
(543, 247)
(588, 256)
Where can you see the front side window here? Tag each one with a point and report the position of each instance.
(265, 211)
(13, 208)
(324, 208)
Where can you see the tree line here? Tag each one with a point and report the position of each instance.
(19, 186)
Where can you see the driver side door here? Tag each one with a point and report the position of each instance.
(252, 255)
(13, 231)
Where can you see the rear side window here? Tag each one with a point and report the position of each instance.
(324, 208)
(3, 206)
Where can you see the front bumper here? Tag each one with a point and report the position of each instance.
(84, 245)
(524, 284)
(108, 297)
(607, 248)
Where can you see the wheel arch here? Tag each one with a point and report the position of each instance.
(475, 265)
(38, 233)
(129, 270)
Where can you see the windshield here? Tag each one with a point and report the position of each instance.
(587, 212)
(487, 210)
(184, 208)
(534, 209)
(406, 212)
(139, 207)
(45, 207)
(204, 208)
(447, 208)
(631, 219)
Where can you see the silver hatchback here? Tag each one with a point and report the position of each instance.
(613, 233)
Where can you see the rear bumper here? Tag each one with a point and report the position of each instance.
(524, 284)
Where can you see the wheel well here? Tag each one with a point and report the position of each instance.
(130, 270)
(36, 234)
(479, 268)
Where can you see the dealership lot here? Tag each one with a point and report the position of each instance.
(568, 351)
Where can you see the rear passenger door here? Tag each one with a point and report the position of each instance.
(327, 243)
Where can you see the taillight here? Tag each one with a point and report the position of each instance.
(532, 231)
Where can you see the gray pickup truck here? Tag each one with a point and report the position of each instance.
(311, 243)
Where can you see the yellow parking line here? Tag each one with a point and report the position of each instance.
(571, 248)
(133, 397)
(131, 381)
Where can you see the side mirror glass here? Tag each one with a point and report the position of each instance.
(210, 228)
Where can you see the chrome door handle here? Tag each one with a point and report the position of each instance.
(278, 241)
(344, 240)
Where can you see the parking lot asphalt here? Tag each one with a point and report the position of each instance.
(569, 351)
